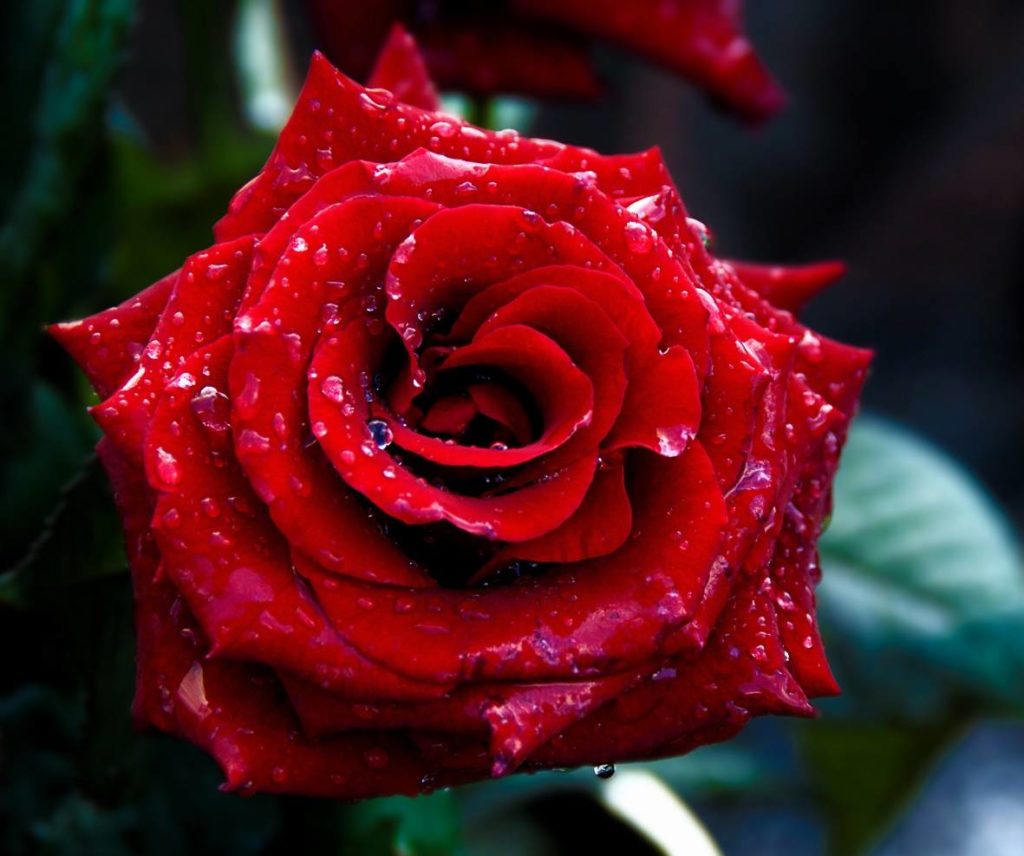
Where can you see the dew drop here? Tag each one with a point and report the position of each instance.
(212, 409)
(638, 237)
(210, 507)
(375, 99)
(333, 389)
(253, 441)
(167, 467)
(604, 771)
(444, 129)
(380, 432)
(249, 396)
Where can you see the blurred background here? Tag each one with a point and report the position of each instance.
(129, 125)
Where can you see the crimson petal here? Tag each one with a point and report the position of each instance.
(108, 345)
(400, 68)
(564, 395)
(533, 630)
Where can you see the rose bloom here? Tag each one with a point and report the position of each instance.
(458, 454)
(543, 47)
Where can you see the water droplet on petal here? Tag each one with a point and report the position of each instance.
(638, 237)
(333, 388)
(380, 432)
(212, 409)
(444, 129)
(253, 441)
(167, 467)
(249, 396)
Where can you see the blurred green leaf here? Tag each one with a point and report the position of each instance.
(512, 833)
(864, 775)
(81, 541)
(77, 778)
(67, 126)
(179, 201)
(52, 440)
(404, 826)
(763, 760)
(922, 600)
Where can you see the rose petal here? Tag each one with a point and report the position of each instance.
(311, 507)
(564, 396)
(107, 346)
(742, 672)
(789, 288)
(584, 331)
(198, 311)
(662, 408)
(580, 619)
(599, 527)
(335, 121)
(504, 56)
(582, 215)
(400, 68)
(700, 39)
(231, 566)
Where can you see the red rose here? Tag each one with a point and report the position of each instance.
(458, 454)
(542, 48)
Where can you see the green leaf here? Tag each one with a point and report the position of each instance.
(44, 449)
(67, 127)
(81, 542)
(762, 760)
(863, 775)
(404, 826)
(922, 601)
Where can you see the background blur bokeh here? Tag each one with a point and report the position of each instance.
(129, 125)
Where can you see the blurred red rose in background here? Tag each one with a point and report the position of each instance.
(459, 454)
(543, 48)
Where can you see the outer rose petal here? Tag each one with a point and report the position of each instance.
(108, 345)
(231, 566)
(700, 39)
(741, 672)
(505, 56)
(400, 68)
(541, 49)
(200, 307)
(336, 121)
(789, 287)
